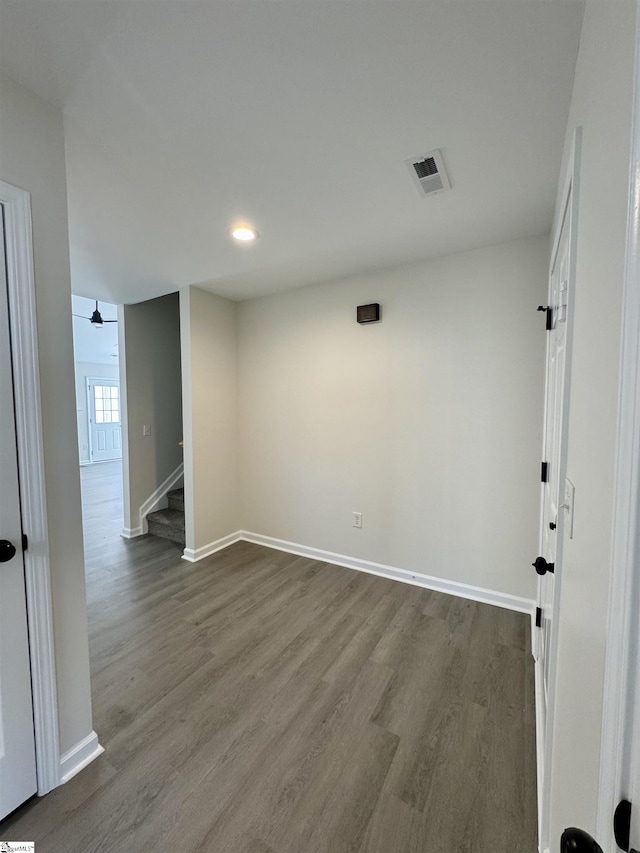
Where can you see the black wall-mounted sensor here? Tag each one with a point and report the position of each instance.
(368, 313)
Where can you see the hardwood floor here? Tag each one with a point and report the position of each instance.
(258, 702)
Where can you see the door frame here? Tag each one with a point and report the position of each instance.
(623, 633)
(24, 349)
(544, 746)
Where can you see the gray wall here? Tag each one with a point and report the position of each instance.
(209, 346)
(429, 422)
(32, 157)
(150, 369)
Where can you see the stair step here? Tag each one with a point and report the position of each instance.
(167, 524)
(176, 499)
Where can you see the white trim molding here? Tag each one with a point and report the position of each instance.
(622, 616)
(79, 756)
(461, 590)
(153, 502)
(192, 556)
(24, 348)
(131, 532)
(539, 708)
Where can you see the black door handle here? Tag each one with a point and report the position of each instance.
(622, 824)
(578, 841)
(542, 567)
(7, 551)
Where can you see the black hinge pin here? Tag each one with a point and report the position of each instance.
(544, 472)
(538, 617)
(25, 542)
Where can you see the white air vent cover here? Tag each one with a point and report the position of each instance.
(427, 171)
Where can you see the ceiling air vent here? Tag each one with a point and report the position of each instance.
(428, 172)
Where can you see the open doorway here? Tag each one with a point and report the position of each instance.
(98, 410)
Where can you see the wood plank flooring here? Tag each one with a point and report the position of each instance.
(258, 702)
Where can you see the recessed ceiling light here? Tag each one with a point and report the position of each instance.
(244, 233)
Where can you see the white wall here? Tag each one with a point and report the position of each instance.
(151, 392)
(84, 370)
(601, 104)
(32, 157)
(209, 356)
(429, 423)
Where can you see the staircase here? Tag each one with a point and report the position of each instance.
(169, 523)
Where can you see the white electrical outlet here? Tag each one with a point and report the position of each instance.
(357, 519)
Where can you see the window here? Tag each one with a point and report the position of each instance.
(107, 404)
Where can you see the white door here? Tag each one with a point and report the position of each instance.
(17, 745)
(553, 520)
(105, 435)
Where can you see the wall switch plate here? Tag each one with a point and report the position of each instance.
(357, 519)
(146, 429)
(569, 500)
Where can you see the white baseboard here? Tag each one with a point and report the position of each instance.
(131, 533)
(192, 556)
(462, 590)
(77, 758)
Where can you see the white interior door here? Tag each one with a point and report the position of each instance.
(105, 431)
(552, 521)
(17, 745)
(553, 517)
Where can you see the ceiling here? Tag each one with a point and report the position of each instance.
(90, 343)
(296, 116)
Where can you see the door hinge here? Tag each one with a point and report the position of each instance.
(549, 315)
(25, 542)
(544, 472)
(622, 824)
(538, 617)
